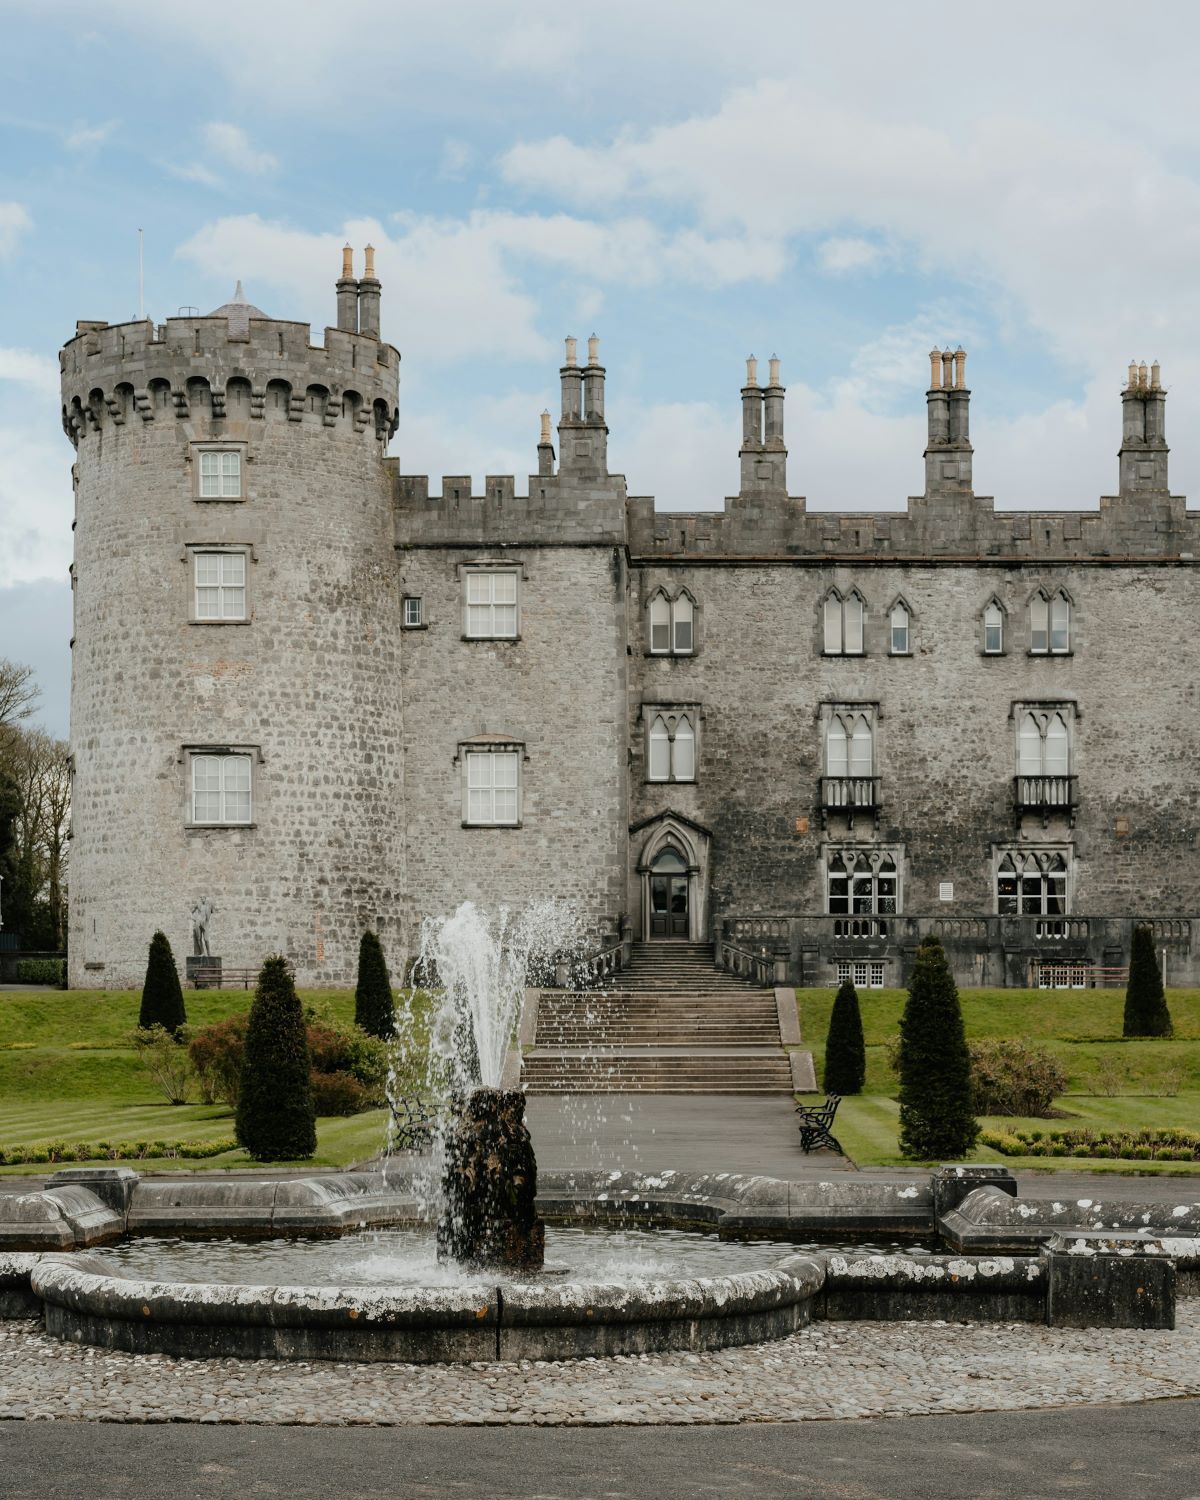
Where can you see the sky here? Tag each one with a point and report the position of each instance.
(844, 186)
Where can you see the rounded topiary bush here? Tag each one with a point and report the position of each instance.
(162, 994)
(276, 1120)
(936, 1117)
(373, 1009)
(1146, 1012)
(845, 1053)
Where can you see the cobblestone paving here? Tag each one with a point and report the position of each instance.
(829, 1370)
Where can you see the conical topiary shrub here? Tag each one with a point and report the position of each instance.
(1146, 1012)
(162, 994)
(275, 1116)
(936, 1119)
(845, 1053)
(373, 993)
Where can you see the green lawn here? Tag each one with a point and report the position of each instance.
(67, 1072)
(1111, 1082)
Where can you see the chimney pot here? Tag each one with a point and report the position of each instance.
(960, 368)
(593, 350)
(935, 369)
(773, 367)
(1155, 377)
(369, 271)
(570, 359)
(347, 263)
(545, 438)
(1132, 379)
(752, 371)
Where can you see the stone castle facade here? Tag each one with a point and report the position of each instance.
(324, 698)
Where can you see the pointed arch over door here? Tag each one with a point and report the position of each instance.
(671, 878)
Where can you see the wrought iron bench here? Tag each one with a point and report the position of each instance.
(412, 1123)
(816, 1125)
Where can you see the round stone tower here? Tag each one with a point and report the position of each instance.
(235, 699)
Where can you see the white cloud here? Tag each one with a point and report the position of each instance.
(15, 219)
(457, 156)
(234, 147)
(34, 370)
(88, 137)
(843, 254)
(196, 172)
(453, 287)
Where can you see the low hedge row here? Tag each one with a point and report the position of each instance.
(1097, 1145)
(41, 971)
(64, 1151)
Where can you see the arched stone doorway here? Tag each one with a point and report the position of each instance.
(672, 876)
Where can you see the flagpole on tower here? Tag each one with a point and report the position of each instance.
(141, 277)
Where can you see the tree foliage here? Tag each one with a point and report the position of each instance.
(936, 1117)
(1146, 1012)
(276, 1120)
(845, 1051)
(162, 994)
(373, 1009)
(35, 790)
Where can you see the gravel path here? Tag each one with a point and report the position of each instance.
(827, 1371)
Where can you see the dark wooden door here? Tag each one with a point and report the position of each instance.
(668, 906)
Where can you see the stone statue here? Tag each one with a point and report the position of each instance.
(201, 912)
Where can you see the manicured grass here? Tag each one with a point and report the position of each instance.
(1111, 1082)
(68, 1072)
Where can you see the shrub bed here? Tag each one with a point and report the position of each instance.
(349, 1068)
(41, 971)
(66, 1151)
(1098, 1145)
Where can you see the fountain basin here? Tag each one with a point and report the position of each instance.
(84, 1303)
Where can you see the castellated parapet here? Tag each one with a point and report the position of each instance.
(302, 679)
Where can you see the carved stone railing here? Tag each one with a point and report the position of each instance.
(595, 969)
(1044, 795)
(757, 967)
(850, 795)
(747, 930)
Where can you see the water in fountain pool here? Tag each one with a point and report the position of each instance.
(408, 1258)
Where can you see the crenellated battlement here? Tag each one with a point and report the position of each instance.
(234, 363)
(556, 509)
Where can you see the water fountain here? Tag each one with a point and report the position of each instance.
(442, 1259)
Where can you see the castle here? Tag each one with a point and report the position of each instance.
(324, 698)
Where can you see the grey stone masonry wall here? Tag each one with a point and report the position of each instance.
(309, 685)
(558, 693)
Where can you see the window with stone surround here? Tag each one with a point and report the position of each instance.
(492, 786)
(490, 604)
(670, 744)
(1049, 624)
(219, 586)
(862, 881)
(672, 623)
(843, 617)
(221, 787)
(220, 474)
(414, 611)
(900, 629)
(993, 628)
(1033, 882)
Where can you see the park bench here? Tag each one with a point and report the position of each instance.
(816, 1125)
(412, 1123)
(222, 977)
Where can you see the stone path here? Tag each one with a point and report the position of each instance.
(830, 1370)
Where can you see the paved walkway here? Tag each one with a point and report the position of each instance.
(1101, 1452)
(828, 1370)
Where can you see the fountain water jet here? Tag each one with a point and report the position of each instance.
(478, 968)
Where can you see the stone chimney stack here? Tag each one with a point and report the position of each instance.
(368, 297)
(1143, 455)
(774, 450)
(948, 452)
(582, 432)
(752, 427)
(545, 449)
(347, 294)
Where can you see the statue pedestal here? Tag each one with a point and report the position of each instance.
(206, 971)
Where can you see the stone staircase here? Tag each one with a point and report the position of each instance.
(672, 1024)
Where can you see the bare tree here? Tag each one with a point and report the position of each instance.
(38, 769)
(18, 693)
